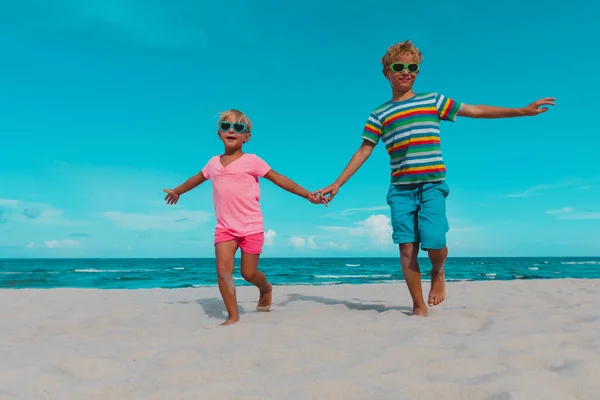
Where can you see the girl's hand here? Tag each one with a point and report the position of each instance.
(171, 197)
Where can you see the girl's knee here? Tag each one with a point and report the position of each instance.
(224, 271)
(249, 275)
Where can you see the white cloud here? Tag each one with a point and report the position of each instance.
(580, 183)
(376, 227)
(569, 213)
(297, 242)
(170, 221)
(335, 246)
(61, 244)
(564, 210)
(31, 245)
(345, 213)
(311, 243)
(34, 213)
(270, 237)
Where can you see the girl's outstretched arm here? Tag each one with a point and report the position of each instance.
(291, 186)
(173, 194)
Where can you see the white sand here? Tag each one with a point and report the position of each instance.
(490, 340)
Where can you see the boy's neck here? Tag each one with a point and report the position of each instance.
(401, 96)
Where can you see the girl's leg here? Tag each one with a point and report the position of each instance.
(251, 273)
(225, 253)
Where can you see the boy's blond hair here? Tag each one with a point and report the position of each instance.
(236, 116)
(406, 47)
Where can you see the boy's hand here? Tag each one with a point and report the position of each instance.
(171, 197)
(534, 108)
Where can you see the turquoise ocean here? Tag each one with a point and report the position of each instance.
(189, 272)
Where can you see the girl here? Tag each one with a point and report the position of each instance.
(236, 193)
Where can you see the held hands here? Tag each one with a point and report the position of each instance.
(171, 197)
(326, 194)
(534, 108)
(315, 199)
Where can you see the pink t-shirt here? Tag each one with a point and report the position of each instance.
(236, 193)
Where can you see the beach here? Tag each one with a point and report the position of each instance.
(491, 340)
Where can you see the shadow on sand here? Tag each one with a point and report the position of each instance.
(215, 308)
(292, 297)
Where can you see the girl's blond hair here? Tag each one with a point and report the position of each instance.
(235, 116)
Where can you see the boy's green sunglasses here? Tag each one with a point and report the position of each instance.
(399, 67)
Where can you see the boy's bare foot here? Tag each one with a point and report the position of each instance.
(437, 294)
(420, 311)
(265, 299)
(230, 321)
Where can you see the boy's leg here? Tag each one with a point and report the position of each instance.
(403, 207)
(412, 275)
(251, 247)
(225, 253)
(433, 226)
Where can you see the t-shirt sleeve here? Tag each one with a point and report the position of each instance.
(373, 128)
(259, 167)
(447, 108)
(207, 168)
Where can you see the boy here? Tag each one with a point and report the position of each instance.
(408, 125)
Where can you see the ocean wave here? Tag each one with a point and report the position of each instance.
(580, 262)
(179, 268)
(15, 273)
(352, 265)
(350, 276)
(533, 268)
(313, 283)
(93, 270)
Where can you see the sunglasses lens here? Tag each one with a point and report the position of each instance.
(225, 126)
(413, 67)
(397, 67)
(239, 128)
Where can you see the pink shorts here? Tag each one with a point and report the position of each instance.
(251, 244)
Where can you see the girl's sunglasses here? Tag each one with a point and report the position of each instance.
(238, 127)
(399, 67)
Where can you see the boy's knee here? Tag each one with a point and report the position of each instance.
(407, 250)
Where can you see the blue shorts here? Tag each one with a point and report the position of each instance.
(419, 214)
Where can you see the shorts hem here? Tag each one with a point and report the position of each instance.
(404, 240)
(436, 247)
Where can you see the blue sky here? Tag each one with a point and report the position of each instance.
(105, 103)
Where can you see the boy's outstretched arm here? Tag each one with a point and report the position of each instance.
(173, 194)
(358, 159)
(483, 111)
(291, 186)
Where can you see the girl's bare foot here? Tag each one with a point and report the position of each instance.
(437, 294)
(230, 321)
(265, 299)
(420, 311)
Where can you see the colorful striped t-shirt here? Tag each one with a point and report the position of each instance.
(410, 130)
